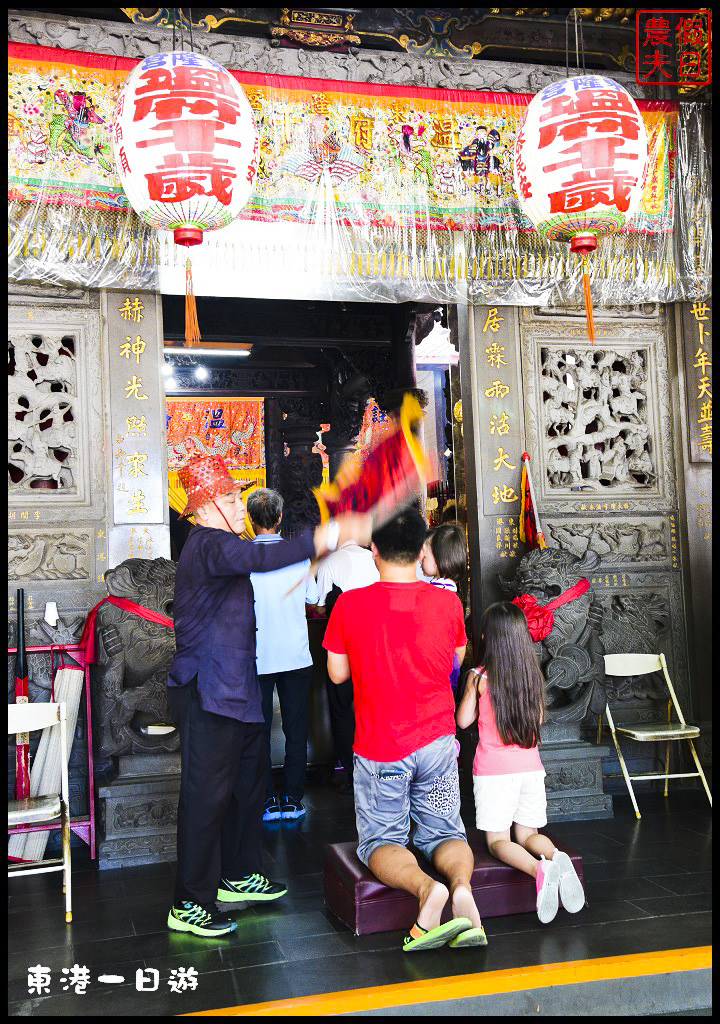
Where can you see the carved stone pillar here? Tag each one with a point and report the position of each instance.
(349, 394)
(301, 468)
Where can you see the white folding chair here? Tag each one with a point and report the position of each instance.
(639, 665)
(39, 809)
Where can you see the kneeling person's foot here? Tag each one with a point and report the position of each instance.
(572, 894)
(547, 883)
(250, 888)
(192, 917)
(290, 808)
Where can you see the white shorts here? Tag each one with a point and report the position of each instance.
(501, 800)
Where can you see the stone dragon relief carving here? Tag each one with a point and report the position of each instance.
(595, 420)
(636, 624)
(571, 656)
(42, 400)
(129, 681)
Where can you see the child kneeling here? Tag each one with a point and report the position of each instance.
(505, 694)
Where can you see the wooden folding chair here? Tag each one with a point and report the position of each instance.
(46, 808)
(638, 665)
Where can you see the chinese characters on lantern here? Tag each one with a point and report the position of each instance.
(186, 147)
(673, 47)
(598, 126)
(174, 85)
(581, 158)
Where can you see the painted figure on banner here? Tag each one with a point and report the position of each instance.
(72, 131)
(320, 146)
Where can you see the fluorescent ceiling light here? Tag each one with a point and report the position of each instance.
(180, 350)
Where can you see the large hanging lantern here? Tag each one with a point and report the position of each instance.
(186, 145)
(186, 150)
(581, 158)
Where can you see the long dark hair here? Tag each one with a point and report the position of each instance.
(447, 543)
(515, 681)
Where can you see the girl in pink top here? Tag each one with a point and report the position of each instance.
(506, 696)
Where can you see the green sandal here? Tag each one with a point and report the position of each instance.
(472, 937)
(436, 937)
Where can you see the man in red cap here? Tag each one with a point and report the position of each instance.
(215, 697)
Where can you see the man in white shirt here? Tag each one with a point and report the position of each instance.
(283, 654)
(348, 568)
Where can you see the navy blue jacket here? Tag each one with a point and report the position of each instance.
(214, 614)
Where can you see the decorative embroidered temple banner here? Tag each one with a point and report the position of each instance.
(231, 427)
(369, 183)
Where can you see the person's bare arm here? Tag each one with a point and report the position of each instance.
(460, 653)
(338, 667)
(353, 526)
(467, 710)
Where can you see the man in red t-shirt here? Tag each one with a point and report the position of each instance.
(397, 639)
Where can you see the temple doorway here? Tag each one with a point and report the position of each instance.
(286, 390)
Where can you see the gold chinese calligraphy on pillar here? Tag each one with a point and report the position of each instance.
(137, 412)
(697, 331)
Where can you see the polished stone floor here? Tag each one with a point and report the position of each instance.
(648, 886)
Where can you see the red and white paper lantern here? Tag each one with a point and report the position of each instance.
(186, 145)
(581, 158)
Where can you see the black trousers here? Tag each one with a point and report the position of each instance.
(222, 791)
(294, 695)
(342, 721)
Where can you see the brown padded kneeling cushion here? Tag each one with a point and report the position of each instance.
(365, 905)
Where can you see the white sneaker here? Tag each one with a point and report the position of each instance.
(547, 882)
(572, 894)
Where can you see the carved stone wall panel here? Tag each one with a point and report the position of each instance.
(622, 541)
(52, 381)
(645, 311)
(51, 295)
(146, 814)
(50, 555)
(598, 418)
(246, 53)
(646, 612)
(43, 413)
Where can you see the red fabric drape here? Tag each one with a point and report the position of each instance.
(540, 617)
(88, 639)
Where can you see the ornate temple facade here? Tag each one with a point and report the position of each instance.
(613, 429)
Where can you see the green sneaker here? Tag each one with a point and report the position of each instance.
(206, 921)
(251, 887)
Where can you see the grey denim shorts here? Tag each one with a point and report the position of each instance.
(423, 786)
